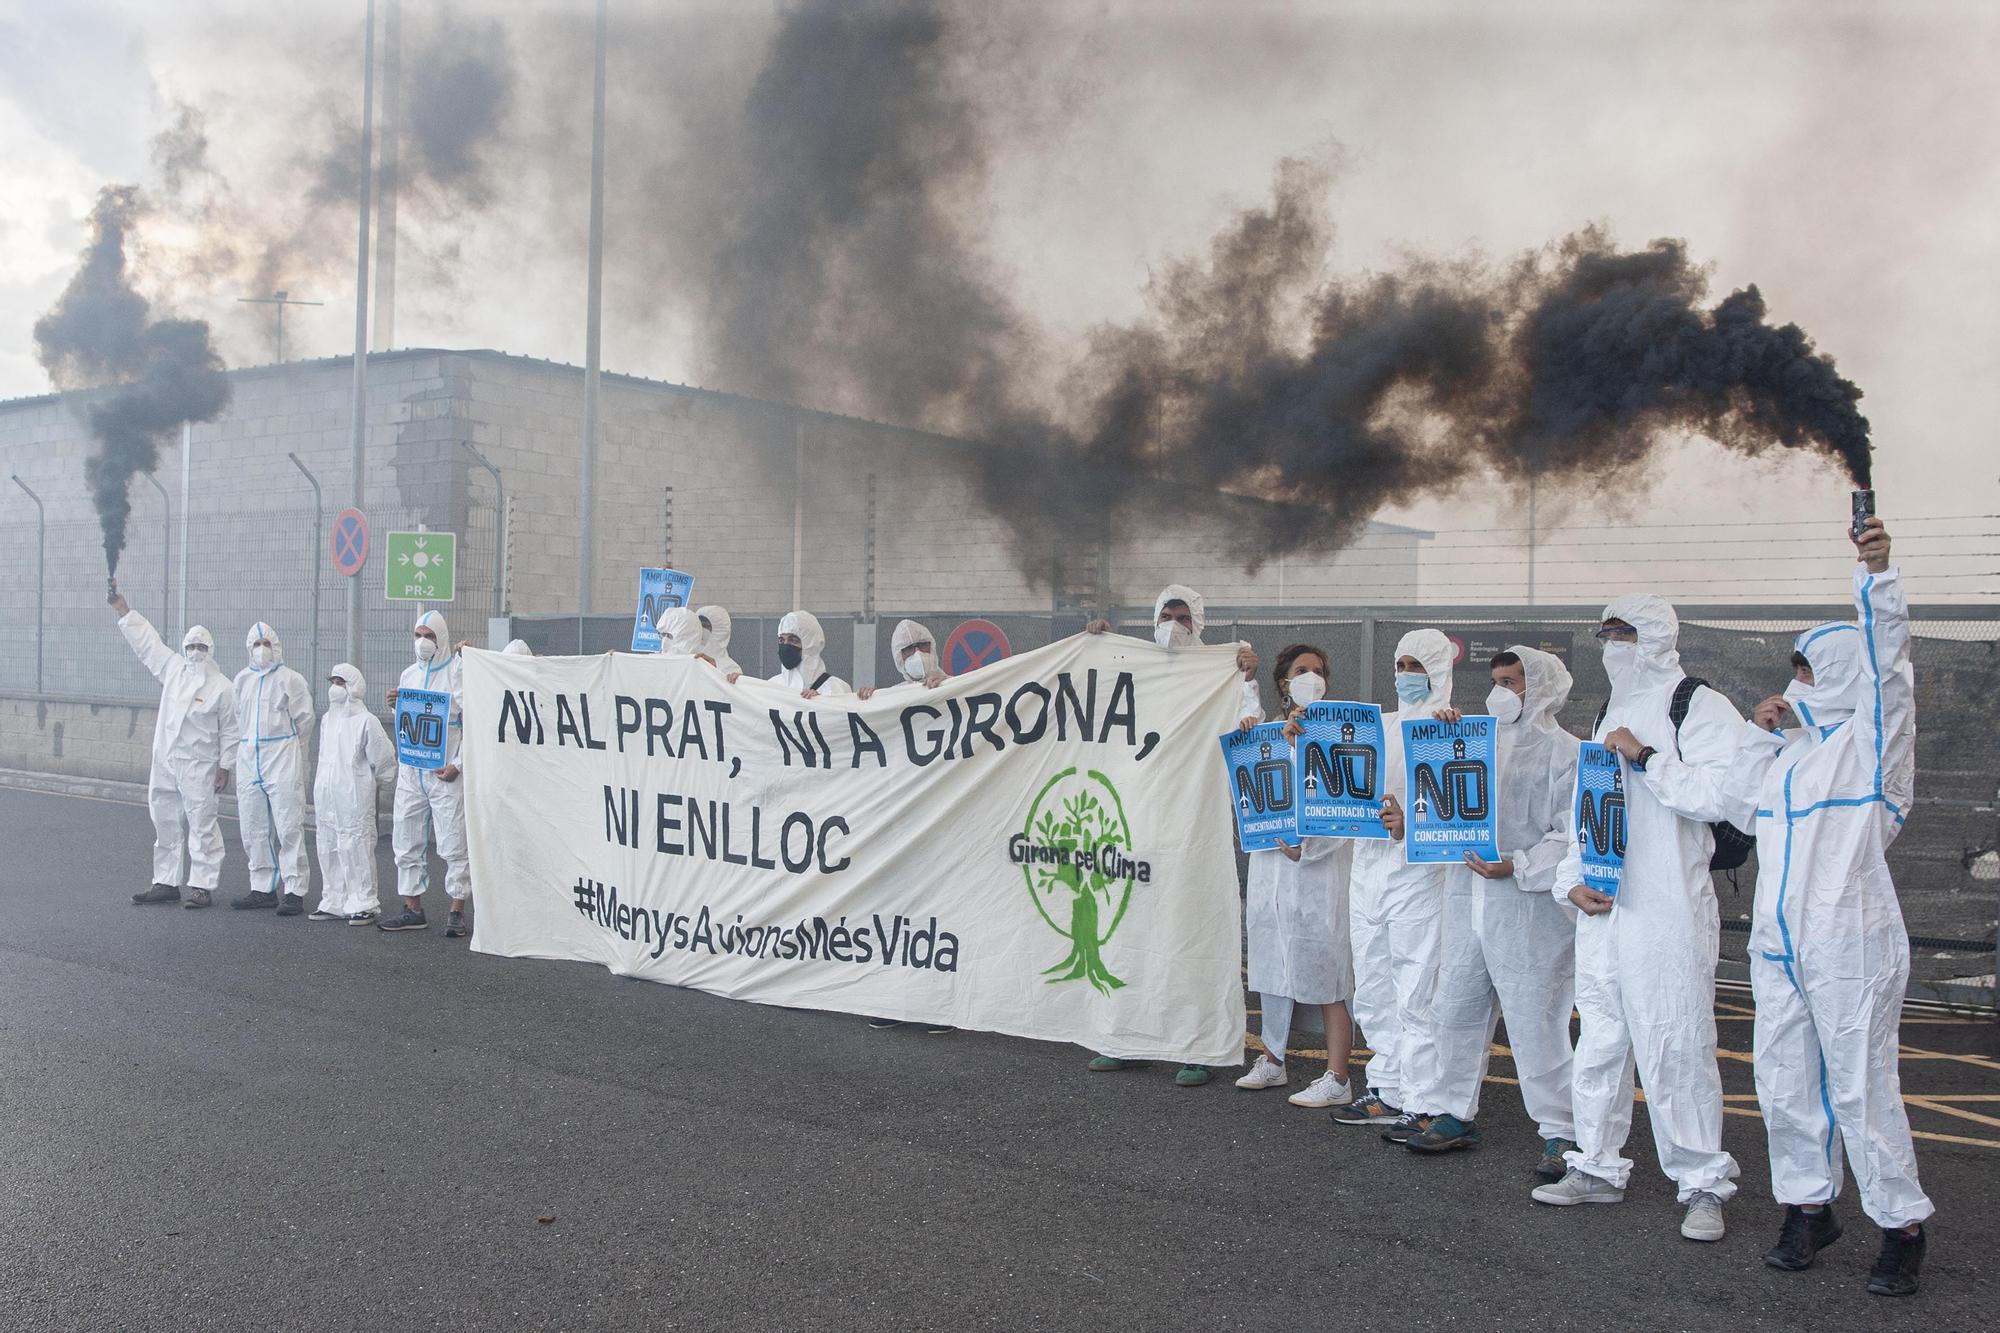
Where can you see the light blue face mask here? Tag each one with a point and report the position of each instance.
(1412, 687)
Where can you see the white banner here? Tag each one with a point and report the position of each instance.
(1041, 848)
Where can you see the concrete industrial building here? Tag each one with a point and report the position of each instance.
(887, 522)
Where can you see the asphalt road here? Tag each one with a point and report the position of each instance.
(226, 1120)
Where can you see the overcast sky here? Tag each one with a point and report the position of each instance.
(1841, 156)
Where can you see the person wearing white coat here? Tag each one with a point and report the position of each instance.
(1295, 920)
(431, 805)
(1395, 912)
(1507, 946)
(1829, 953)
(914, 651)
(355, 756)
(1645, 960)
(194, 749)
(1179, 617)
(715, 639)
(274, 717)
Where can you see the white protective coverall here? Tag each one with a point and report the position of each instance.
(906, 633)
(1507, 942)
(811, 672)
(1394, 912)
(274, 718)
(680, 633)
(194, 734)
(355, 754)
(1829, 954)
(424, 801)
(1295, 918)
(1645, 970)
(1253, 702)
(715, 639)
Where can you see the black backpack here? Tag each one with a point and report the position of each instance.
(1732, 845)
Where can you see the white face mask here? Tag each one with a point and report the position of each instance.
(260, 657)
(1308, 687)
(1504, 704)
(914, 666)
(1619, 659)
(196, 653)
(1172, 634)
(426, 649)
(336, 695)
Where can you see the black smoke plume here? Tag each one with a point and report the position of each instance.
(148, 375)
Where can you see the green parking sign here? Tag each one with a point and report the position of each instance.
(421, 566)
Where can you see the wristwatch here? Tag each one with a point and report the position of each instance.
(1645, 754)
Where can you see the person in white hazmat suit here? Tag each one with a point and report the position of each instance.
(1395, 916)
(431, 805)
(912, 647)
(1295, 919)
(800, 665)
(355, 756)
(518, 648)
(1179, 617)
(1829, 953)
(1507, 945)
(1645, 960)
(194, 748)
(715, 639)
(274, 718)
(681, 634)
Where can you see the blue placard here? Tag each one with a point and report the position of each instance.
(1260, 786)
(1599, 817)
(423, 727)
(1450, 807)
(1338, 765)
(660, 591)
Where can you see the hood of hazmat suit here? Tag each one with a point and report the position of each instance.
(1645, 970)
(1829, 953)
(680, 633)
(355, 756)
(811, 673)
(518, 648)
(1180, 592)
(1509, 938)
(715, 639)
(909, 632)
(274, 715)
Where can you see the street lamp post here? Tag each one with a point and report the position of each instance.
(319, 553)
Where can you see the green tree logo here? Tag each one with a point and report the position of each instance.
(1081, 816)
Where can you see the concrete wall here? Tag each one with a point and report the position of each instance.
(85, 739)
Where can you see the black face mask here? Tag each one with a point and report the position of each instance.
(790, 655)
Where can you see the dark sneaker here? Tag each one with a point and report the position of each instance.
(292, 905)
(939, 1029)
(1444, 1133)
(1104, 1064)
(1405, 1127)
(454, 926)
(1192, 1076)
(159, 893)
(1554, 1166)
(1369, 1110)
(321, 914)
(404, 920)
(198, 898)
(1895, 1271)
(366, 917)
(1802, 1236)
(251, 901)
(880, 1024)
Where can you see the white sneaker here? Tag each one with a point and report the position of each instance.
(1578, 1187)
(1326, 1090)
(1266, 1073)
(1704, 1217)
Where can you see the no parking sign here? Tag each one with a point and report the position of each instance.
(350, 542)
(974, 644)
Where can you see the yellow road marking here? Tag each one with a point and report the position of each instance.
(1934, 1104)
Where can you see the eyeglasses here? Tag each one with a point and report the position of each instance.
(1617, 634)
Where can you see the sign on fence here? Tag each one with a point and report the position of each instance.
(420, 567)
